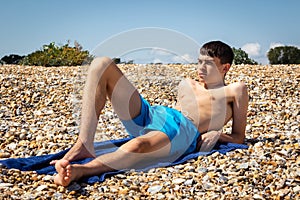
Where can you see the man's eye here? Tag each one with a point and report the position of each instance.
(200, 61)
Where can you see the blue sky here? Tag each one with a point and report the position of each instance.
(253, 25)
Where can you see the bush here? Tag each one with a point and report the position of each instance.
(11, 59)
(117, 60)
(241, 57)
(53, 55)
(284, 55)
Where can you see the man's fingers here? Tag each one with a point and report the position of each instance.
(53, 162)
(207, 141)
(205, 146)
(199, 142)
(208, 145)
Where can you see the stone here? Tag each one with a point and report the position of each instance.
(244, 166)
(154, 189)
(74, 187)
(178, 180)
(2, 185)
(41, 187)
(40, 114)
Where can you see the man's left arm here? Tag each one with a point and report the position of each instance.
(239, 116)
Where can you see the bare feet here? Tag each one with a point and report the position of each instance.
(77, 152)
(66, 173)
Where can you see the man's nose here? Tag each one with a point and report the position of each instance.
(200, 67)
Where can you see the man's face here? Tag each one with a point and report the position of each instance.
(209, 69)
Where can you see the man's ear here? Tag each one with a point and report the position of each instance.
(226, 67)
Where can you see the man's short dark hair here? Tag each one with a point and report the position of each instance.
(218, 49)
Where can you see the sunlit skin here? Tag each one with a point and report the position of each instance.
(211, 105)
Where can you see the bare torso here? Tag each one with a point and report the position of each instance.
(208, 109)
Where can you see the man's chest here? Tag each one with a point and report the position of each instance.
(211, 103)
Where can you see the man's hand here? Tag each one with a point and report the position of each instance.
(208, 141)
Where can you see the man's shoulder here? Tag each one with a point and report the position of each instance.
(237, 88)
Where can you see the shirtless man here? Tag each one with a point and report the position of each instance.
(204, 106)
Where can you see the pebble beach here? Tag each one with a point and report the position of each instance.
(40, 114)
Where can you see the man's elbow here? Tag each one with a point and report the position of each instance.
(240, 141)
(240, 138)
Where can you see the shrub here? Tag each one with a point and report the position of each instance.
(53, 55)
(284, 55)
(11, 59)
(241, 57)
(117, 60)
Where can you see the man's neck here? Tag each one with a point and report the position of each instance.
(212, 85)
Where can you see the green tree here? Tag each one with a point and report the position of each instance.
(11, 59)
(241, 57)
(53, 55)
(284, 55)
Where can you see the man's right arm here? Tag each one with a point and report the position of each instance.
(239, 118)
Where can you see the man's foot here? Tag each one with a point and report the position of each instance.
(66, 173)
(77, 152)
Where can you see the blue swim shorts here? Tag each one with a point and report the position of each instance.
(181, 131)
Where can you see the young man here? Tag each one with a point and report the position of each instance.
(204, 106)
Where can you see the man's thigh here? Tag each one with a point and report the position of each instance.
(124, 96)
(154, 144)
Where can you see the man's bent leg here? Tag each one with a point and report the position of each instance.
(153, 145)
(104, 80)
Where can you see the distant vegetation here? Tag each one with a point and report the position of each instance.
(284, 55)
(66, 55)
(11, 59)
(241, 57)
(53, 55)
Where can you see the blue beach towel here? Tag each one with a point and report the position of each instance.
(41, 165)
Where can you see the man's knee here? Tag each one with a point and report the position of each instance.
(100, 64)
